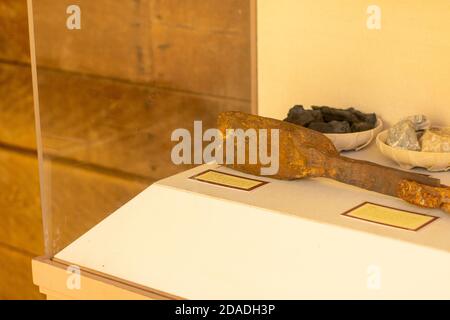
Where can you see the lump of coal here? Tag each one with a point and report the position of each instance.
(403, 136)
(370, 119)
(332, 120)
(361, 126)
(331, 127)
(332, 114)
(298, 115)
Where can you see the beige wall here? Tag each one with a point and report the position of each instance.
(321, 53)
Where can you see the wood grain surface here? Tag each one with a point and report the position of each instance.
(14, 44)
(21, 222)
(15, 275)
(120, 126)
(80, 197)
(196, 46)
(16, 106)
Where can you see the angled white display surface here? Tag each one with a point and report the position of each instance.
(284, 240)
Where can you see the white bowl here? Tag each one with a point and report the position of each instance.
(407, 159)
(356, 140)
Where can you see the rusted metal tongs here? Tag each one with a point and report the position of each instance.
(306, 153)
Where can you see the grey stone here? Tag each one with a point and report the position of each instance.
(403, 135)
(420, 122)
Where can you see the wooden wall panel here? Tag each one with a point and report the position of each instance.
(20, 218)
(15, 275)
(203, 46)
(16, 106)
(14, 44)
(101, 121)
(114, 40)
(147, 152)
(196, 46)
(214, 16)
(80, 198)
(202, 62)
(21, 232)
(118, 125)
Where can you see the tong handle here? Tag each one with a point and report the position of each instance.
(425, 196)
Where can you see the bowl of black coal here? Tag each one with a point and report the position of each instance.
(348, 129)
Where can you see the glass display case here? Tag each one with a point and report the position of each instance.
(119, 85)
(113, 80)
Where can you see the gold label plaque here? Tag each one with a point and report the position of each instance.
(228, 180)
(390, 217)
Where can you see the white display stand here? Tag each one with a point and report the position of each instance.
(285, 240)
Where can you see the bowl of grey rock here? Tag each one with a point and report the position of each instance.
(415, 143)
